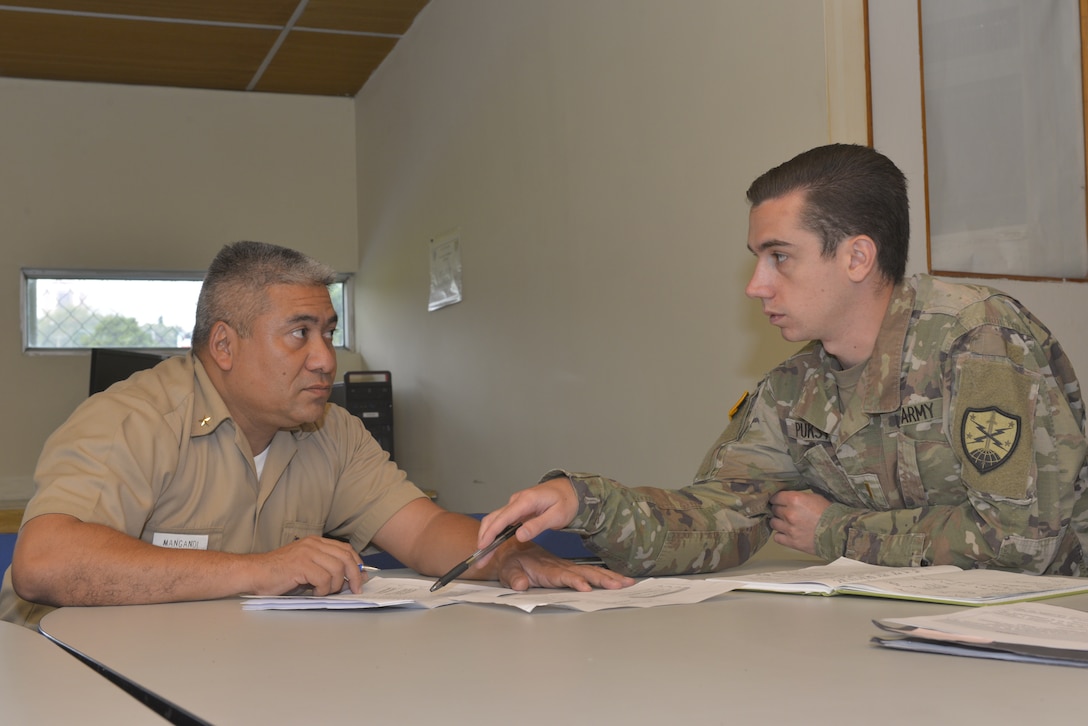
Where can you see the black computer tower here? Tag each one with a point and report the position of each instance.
(369, 395)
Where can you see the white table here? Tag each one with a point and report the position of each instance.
(745, 655)
(42, 684)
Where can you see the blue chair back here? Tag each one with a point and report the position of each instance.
(7, 546)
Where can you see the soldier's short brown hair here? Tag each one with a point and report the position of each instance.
(849, 190)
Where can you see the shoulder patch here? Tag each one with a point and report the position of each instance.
(989, 436)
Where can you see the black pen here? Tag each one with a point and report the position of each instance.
(452, 574)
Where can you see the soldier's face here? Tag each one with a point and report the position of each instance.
(804, 294)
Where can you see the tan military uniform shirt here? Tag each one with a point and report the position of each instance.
(962, 443)
(159, 458)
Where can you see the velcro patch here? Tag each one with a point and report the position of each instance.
(921, 412)
(803, 431)
(994, 413)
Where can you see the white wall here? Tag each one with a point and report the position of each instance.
(111, 177)
(594, 157)
(897, 131)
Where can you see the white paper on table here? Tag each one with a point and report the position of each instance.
(378, 592)
(944, 583)
(647, 593)
(1030, 623)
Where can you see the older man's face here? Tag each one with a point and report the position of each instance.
(282, 373)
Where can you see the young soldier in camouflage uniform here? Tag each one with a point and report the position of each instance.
(925, 423)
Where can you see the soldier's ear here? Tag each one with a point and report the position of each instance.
(861, 259)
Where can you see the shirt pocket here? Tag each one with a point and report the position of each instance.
(823, 474)
(929, 472)
(923, 451)
(892, 550)
(297, 530)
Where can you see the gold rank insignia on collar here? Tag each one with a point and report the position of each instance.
(205, 421)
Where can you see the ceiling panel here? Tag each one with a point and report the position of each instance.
(258, 12)
(375, 16)
(117, 51)
(331, 65)
(320, 47)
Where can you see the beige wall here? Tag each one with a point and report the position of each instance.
(897, 131)
(594, 158)
(593, 155)
(110, 177)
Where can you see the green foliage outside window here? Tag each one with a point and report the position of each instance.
(73, 312)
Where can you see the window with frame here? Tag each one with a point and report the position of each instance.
(75, 310)
(1004, 101)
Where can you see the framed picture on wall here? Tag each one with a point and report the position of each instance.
(1004, 101)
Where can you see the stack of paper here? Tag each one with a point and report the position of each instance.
(1029, 631)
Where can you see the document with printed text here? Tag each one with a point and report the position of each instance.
(941, 584)
(647, 593)
(1027, 631)
(380, 591)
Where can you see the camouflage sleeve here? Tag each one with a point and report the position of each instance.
(717, 522)
(1015, 424)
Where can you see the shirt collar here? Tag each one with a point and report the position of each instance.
(878, 389)
(879, 386)
(210, 410)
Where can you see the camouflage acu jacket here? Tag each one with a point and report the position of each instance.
(962, 444)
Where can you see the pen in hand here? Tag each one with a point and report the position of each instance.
(456, 571)
(366, 569)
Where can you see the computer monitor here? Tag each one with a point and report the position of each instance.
(339, 395)
(109, 365)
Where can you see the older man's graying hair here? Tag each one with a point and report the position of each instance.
(234, 290)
